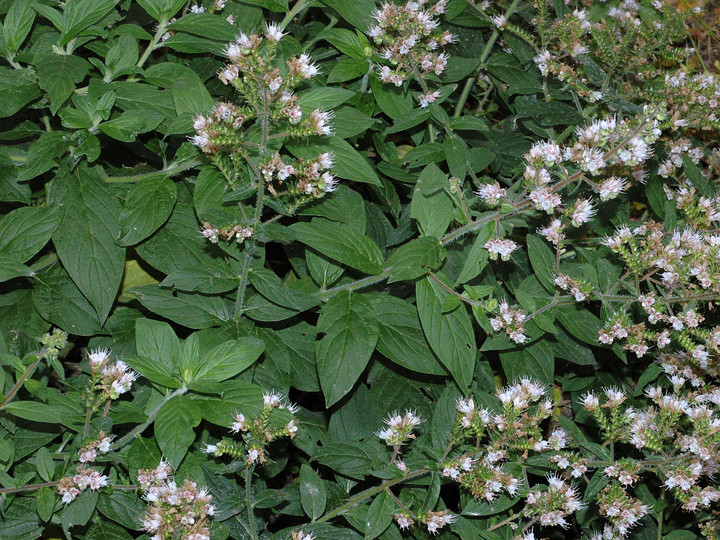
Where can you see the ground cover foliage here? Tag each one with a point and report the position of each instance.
(342, 269)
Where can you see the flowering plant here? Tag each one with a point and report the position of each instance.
(343, 269)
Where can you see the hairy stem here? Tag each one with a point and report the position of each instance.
(130, 436)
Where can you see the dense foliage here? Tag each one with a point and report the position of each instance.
(342, 269)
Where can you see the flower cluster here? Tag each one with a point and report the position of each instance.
(267, 92)
(174, 511)
(511, 320)
(552, 505)
(500, 246)
(434, 521)
(399, 428)
(70, 487)
(409, 38)
(622, 511)
(276, 420)
(110, 379)
(89, 451)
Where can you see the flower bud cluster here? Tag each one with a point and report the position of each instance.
(434, 521)
(54, 343)
(174, 511)
(70, 487)
(276, 420)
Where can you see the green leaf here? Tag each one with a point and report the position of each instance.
(312, 492)
(10, 268)
(477, 258)
(341, 243)
(35, 411)
(207, 278)
(401, 337)
(352, 459)
(535, 361)
(359, 13)
(42, 154)
(154, 371)
(543, 261)
(18, 88)
(395, 102)
(174, 425)
(350, 122)
(17, 24)
(161, 10)
(325, 97)
(79, 14)
(351, 333)
(79, 512)
(279, 6)
(123, 507)
(45, 464)
(505, 67)
(207, 25)
(353, 44)
(26, 230)
(379, 515)
(193, 310)
(456, 155)
(148, 205)
(580, 323)
(85, 240)
(431, 205)
(270, 286)
(190, 96)
(346, 69)
(450, 335)
(415, 259)
(58, 74)
(228, 359)
(130, 124)
(45, 500)
(157, 341)
(58, 300)
(349, 163)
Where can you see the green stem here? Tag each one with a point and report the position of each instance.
(360, 497)
(151, 46)
(359, 284)
(249, 503)
(151, 418)
(28, 372)
(299, 5)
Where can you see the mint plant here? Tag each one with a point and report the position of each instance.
(332, 269)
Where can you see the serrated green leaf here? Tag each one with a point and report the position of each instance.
(58, 74)
(312, 492)
(351, 333)
(341, 243)
(349, 163)
(148, 205)
(431, 205)
(18, 87)
(401, 337)
(379, 515)
(174, 425)
(450, 335)
(85, 239)
(17, 24)
(415, 259)
(228, 359)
